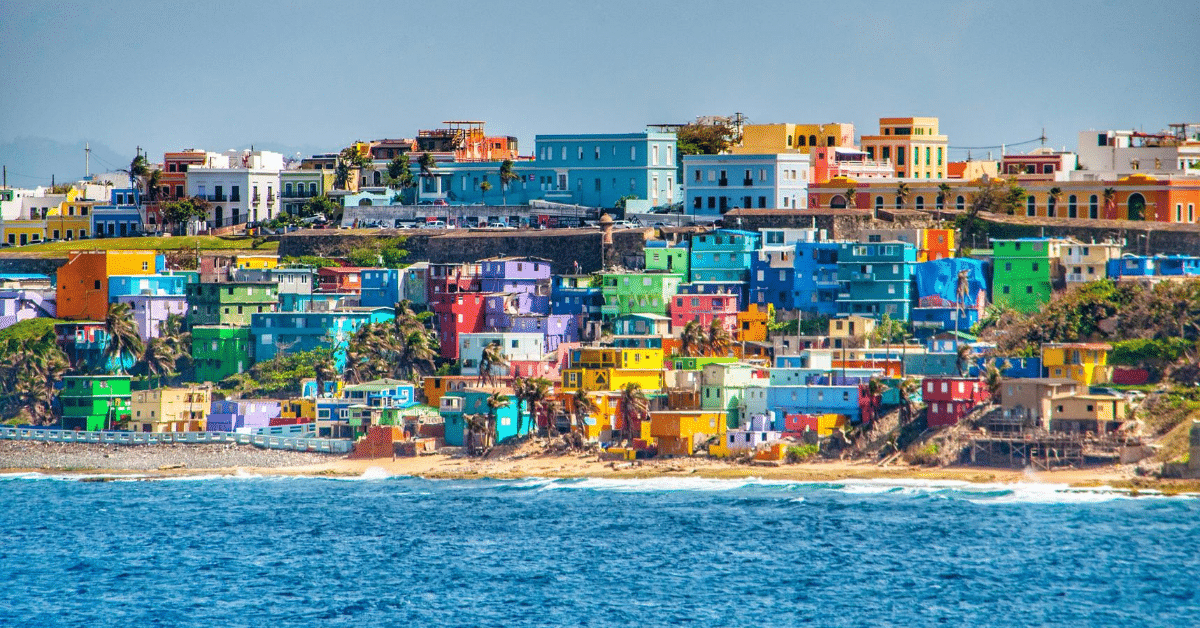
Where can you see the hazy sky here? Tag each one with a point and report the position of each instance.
(318, 75)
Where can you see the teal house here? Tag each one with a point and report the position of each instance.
(273, 332)
(876, 278)
(455, 406)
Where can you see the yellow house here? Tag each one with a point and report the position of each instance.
(70, 221)
(256, 262)
(678, 432)
(599, 424)
(170, 409)
(1084, 362)
(609, 368)
(22, 232)
(914, 146)
(760, 139)
(299, 408)
(851, 326)
(752, 324)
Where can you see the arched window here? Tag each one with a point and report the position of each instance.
(919, 202)
(812, 140)
(803, 141)
(1093, 207)
(377, 178)
(1136, 207)
(1030, 206)
(960, 202)
(1072, 209)
(878, 202)
(366, 202)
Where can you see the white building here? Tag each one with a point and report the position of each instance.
(1110, 155)
(715, 184)
(516, 347)
(240, 186)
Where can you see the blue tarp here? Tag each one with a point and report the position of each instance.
(939, 279)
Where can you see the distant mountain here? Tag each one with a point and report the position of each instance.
(32, 160)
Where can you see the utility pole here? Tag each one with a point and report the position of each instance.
(87, 160)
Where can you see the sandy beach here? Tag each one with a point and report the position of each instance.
(524, 463)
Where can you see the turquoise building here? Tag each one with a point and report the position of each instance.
(876, 279)
(272, 332)
(455, 406)
(725, 256)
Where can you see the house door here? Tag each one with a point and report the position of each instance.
(219, 216)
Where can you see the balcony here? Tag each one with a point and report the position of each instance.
(255, 199)
(722, 182)
(270, 199)
(861, 276)
(747, 182)
(1076, 278)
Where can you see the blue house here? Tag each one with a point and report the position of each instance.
(120, 217)
(773, 277)
(315, 302)
(724, 255)
(575, 295)
(454, 406)
(273, 332)
(382, 393)
(146, 285)
(1150, 266)
(816, 284)
(380, 287)
(876, 279)
(716, 184)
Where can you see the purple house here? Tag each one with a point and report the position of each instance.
(231, 414)
(555, 328)
(530, 275)
(20, 304)
(149, 310)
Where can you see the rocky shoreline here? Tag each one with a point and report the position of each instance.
(85, 456)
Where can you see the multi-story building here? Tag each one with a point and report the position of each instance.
(704, 309)
(454, 406)
(382, 393)
(815, 288)
(576, 295)
(230, 302)
(23, 297)
(717, 183)
(797, 138)
(1084, 362)
(446, 280)
(94, 402)
(1084, 262)
(637, 293)
(342, 280)
(71, 220)
(914, 146)
(380, 287)
(120, 217)
(456, 314)
(297, 187)
(529, 275)
(173, 183)
(1150, 268)
(663, 257)
(240, 187)
(1041, 164)
(932, 244)
(607, 368)
(276, 333)
(848, 163)
(876, 279)
(949, 399)
(723, 255)
(773, 277)
(525, 353)
(1024, 272)
(83, 280)
(1113, 154)
(219, 351)
(290, 279)
(938, 303)
(181, 409)
(597, 170)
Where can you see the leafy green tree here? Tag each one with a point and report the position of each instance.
(281, 375)
(320, 205)
(705, 139)
(30, 365)
(124, 343)
(507, 176)
(183, 211)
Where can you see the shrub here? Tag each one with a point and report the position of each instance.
(926, 456)
(801, 453)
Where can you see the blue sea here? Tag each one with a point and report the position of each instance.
(380, 551)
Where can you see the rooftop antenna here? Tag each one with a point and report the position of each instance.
(87, 160)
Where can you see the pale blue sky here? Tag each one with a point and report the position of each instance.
(318, 75)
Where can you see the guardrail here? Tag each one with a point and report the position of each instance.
(263, 441)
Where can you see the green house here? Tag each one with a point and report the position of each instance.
(695, 363)
(219, 351)
(230, 302)
(1024, 272)
(638, 293)
(671, 259)
(94, 402)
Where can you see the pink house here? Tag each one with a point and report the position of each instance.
(704, 308)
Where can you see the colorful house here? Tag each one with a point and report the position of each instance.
(1094, 413)
(120, 217)
(255, 262)
(1024, 272)
(876, 279)
(381, 393)
(85, 344)
(230, 302)
(938, 305)
(343, 280)
(170, 409)
(380, 287)
(219, 351)
(715, 184)
(949, 399)
(524, 351)
(816, 286)
(530, 275)
(83, 280)
(722, 386)
(605, 368)
(773, 277)
(723, 255)
(1084, 362)
(637, 293)
(704, 309)
(231, 415)
(662, 256)
(1085, 262)
(642, 331)
(682, 432)
(456, 406)
(576, 295)
(94, 402)
(752, 324)
(274, 332)
(457, 314)
(290, 279)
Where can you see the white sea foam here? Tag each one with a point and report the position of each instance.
(662, 484)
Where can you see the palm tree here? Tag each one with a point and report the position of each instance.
(507, 176)
(158, 359)
(495, 402)
(851, 203)
(485, 186)
(490, 361)
(538, 389)
(1110, 197)
(582, 407)
(908, 389)
(718, 341)
(123, 339)
(901, 195)
(427, 163)
(417, 357)
(176, 339)
(476, 424)
(993, 379)
(634, 405)
(875, 389)
(521, 390)
(28, 376)
(324, 371)
(692, 341)
(962, 357)
(1055, 194)
(943, 195)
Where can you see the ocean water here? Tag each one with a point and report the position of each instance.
(380, 551)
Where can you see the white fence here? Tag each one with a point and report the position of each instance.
(264, 441)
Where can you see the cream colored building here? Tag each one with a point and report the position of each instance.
(913, 145)
(1086, 262)
(182, 409)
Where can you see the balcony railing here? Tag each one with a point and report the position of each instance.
(256, 198)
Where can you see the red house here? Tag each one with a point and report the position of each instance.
(346, 279)
(461, 313)
(447, 280)
(949, 399)
(704, 308)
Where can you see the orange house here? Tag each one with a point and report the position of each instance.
(344, 279)
(83, 280)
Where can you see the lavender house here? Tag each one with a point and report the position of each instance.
(25, 298)
(152, 298)
(519, 312)
(529, 275)
(230, 415)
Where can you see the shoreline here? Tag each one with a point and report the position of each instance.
(577, 465)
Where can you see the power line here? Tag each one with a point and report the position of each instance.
(1036, 139)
